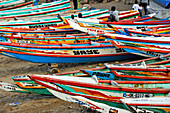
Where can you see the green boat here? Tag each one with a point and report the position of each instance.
(12, 4)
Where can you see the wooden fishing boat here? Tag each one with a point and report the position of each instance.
(45, 21)
(144, 104)
(89, 29)
(23, 79)
(46, 8)
(139, 19)
(137, 84)
(19, 5)
(39, 31)
(33, 88)
(40, 36)
(139, 76)
(143, 73)
(159, 60)
(120, 30)
(38, 21)
(65, 53)
(37, 90)
(40, 6)
(155, 104)
(163, 32)
(140, 40)
(124, 75)
(57, 40)
(100, 107)
(10, 2)
(137, 67)
(147, 50)
(104, 73)
(120, 37)
(110, 95)
(105, 108)
(127, 24)
(145, 53)
(24, 82)
(26, 86)
(140, 84)
(123, 15)
(11, 88)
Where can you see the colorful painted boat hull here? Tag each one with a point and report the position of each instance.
(72, 53)
(136, 67)
(62, 59)
(70, 83)
(155, 104)
(11, 88)
(100, 107)
(108, 95)
(33, 88)
(115, 76)
(29, 86)
(148, 50)
(27, 3)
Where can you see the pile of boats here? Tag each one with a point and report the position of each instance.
(54, 33)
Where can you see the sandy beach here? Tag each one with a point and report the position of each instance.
(32, 103)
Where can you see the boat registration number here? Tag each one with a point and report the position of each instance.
(137, 95)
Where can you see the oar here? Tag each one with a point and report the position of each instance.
(63, 19)
(120, 32)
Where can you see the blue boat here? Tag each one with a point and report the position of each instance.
(66, 53)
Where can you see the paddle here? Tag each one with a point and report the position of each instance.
(63, 19)
(120, 32)
(114, 28)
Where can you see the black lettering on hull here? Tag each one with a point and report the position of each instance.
(101, 74)
(41, 26)
(86, 52)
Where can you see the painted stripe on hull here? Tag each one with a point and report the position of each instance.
(16, 6)
(55, 79)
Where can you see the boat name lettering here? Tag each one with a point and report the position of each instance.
(22, 41)
(41, 26)
(101, 74)
(84, 52)
(141, 27)
(137, 95)
(120, 50)
(153, 53)
(95, 30)
(9, 87)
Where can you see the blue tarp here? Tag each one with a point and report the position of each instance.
(35, 2)
(164, 3)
